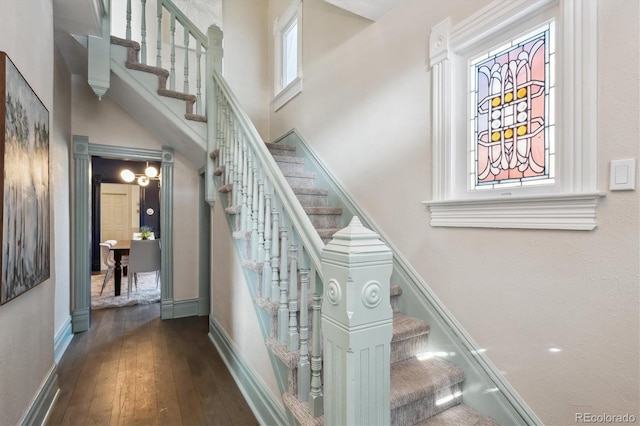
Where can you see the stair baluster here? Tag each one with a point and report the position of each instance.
(316, 398)
(186, 58)
(159, 35)
(198, 79)
(275, 251)
(304, 367)
(172, 69)
(244, 175)
(128, 31)
(266, 270)
(294, 335)
(254, 215)
(283, 309)
(143, 33)
(261, 201)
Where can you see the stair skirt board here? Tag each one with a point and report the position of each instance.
(267, 410)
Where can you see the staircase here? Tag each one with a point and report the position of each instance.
(425, 389)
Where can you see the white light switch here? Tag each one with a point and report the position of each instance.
(623, 175)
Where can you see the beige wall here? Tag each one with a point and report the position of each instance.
(231, 303)
(27, 322)
(59, 180)
(105, 122)
(245, 63)
(365, 109)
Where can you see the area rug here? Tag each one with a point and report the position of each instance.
(146, 293)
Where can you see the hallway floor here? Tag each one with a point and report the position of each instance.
(133, 368)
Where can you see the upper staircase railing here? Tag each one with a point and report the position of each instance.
(179, 44)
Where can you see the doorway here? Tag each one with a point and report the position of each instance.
(83, 151)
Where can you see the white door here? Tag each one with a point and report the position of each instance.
(118, 210)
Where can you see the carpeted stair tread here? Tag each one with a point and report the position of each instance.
(160, 72)
(126, 43)
(214, 154)
(280, 147)
(410, 336)
(288, 159)
(323, 210)
(310, 191)
(196, 117)
(327, 233)
(415, 379)
(396, 290)
(405, 327)
(177, 95)
(307, 175)
(459, 415)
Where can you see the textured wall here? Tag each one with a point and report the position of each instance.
(27, 322)
(365, 109)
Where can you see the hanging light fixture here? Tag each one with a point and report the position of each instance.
(150, 173)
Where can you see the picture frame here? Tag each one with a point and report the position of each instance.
(24, 185)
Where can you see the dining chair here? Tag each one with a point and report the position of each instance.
(109, 261)
(144, 256)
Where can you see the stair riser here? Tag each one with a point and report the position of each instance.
(395, 302)
(282, 152)
(408, 348)
(301, 182)
(423, 408)
(325, 220)
(313, 200)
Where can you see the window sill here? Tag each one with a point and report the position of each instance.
(562, 211)
(288, 93)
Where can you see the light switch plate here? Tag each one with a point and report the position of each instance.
(623, 175)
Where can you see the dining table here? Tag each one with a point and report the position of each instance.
(119, 249)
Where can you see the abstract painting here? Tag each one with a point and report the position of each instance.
(24, 184)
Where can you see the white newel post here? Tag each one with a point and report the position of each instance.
(357, 325)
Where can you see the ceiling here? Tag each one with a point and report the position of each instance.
(370, 9)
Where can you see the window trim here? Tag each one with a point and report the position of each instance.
(283, 94)
(571, 202)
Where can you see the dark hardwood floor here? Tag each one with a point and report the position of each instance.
(133, 368)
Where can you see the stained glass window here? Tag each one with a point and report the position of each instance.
(512, 124)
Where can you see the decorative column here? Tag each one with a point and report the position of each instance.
(81, 314)
(357, 325)
(166, 224)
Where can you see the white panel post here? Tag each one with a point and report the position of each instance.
(357, 325)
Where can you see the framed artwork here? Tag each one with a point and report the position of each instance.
(24, 184)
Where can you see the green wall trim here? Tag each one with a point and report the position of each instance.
(81, 222)
(46, 398)
(166, 309)
(267, 410)
(62, 339)
(186, 308)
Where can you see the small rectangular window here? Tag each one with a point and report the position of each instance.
(290, 56)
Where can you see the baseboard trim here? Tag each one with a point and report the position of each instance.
(186, 308)
(267, 410)
(166, 309)
(203, 306)
(62, 340)
(81, 319)
(46, 398)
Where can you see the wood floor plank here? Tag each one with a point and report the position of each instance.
(131, 368)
